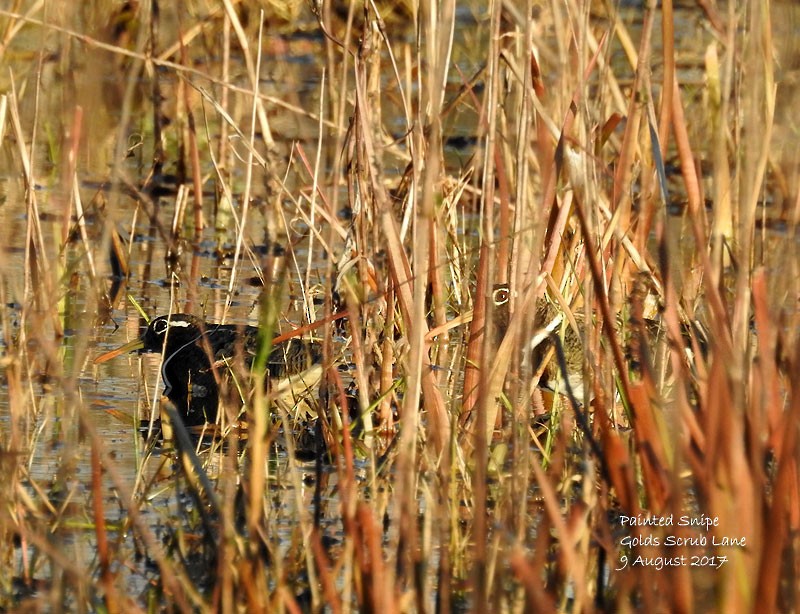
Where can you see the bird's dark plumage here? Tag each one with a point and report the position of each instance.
(193, 350)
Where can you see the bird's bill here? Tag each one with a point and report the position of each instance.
(136, 344)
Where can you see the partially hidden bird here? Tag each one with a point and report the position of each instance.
(198, 354)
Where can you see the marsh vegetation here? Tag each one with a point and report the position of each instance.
(548, 250)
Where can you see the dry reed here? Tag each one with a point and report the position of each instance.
(442, 474)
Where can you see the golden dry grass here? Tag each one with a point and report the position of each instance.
(569, 154)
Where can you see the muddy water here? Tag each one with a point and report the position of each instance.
(115, 150)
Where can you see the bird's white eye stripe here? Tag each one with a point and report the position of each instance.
(161, 325)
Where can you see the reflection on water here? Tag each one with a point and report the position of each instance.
(171, 268)
(64, 404)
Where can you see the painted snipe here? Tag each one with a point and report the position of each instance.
(197, 353)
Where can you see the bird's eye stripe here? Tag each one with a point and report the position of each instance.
(160, 326)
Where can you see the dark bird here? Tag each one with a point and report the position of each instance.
(197, 353)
